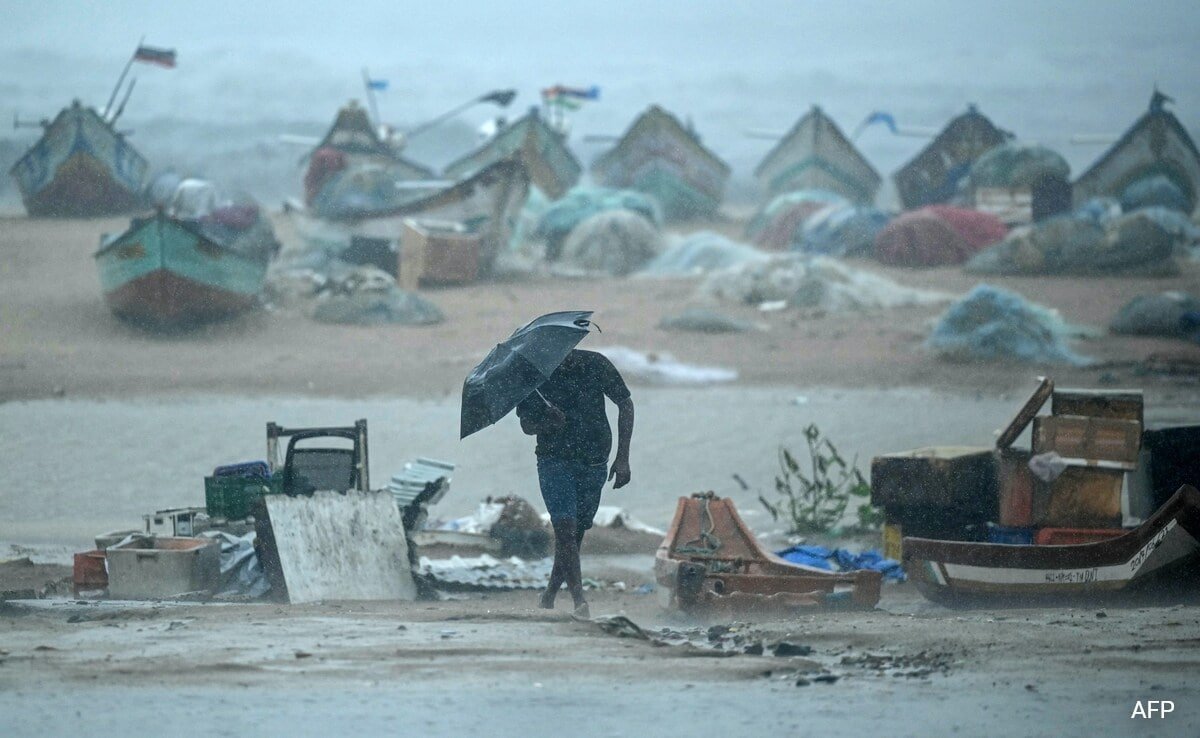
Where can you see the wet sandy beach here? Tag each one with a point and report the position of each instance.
(101, 423)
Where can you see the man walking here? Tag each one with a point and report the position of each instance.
(567, 415)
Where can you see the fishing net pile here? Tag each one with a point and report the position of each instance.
(1140, 242)
(615, 242)
(1013, 164)
(993, 324)
(779, 225)
(699, 254)
(1172, 314)
(841, 229)
(820, 283)
(561, 217)
(231, 219)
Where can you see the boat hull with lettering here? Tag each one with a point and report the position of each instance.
(1162, 554)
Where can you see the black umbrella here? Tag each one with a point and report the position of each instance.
(516, 368)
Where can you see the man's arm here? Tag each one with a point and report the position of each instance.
(620, 467)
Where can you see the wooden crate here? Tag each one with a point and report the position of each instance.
(1089, 441)
(956, 477)
(1084, 497)
(438, 253)
(1115, 404)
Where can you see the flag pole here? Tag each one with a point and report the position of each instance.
(446, 116)
(371, 97)
(120, 80)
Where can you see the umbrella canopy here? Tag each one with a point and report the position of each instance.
(518, 366)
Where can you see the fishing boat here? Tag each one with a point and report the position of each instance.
(665, 159)
(371, 203)
(710, 562)
(353, 142)
(1163, 551)
(1156, 144)
(81, 166)
(816, 155)
(934, 174)
(177, 268)
(551, 165)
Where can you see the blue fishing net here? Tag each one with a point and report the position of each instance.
(993, 324)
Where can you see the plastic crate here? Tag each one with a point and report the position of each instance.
(233, 498)
(1009, 535)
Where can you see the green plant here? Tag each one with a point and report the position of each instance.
(815, 502)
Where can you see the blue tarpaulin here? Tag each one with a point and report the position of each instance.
(840, 559)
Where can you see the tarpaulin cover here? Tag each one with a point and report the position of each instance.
(841, 230)
(978, 228)
(1156, 315)
(1143, 242)
(1016, 164)
(840, 559)
(778, 225)
(1156, 190)
(700, 253)
(993, 324)
(921, 239)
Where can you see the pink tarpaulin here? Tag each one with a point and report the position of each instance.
(920, 238)
(980, 229)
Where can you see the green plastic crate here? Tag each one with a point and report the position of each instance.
(233, 498)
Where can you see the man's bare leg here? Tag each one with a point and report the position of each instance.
(566, 567)
(557, 574)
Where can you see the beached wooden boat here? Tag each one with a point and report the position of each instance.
(485, 195)
(1156, 144)
(663, 158)
(550, 164)
(934, 174)
(80, 166)
(816, 155)
(711, 563)
(1163, 551)
(353, 135)
(165, 272)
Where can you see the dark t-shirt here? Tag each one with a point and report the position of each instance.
(578, 388)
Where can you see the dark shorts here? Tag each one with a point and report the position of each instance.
(571, 489)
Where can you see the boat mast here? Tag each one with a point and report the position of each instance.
(120, 80)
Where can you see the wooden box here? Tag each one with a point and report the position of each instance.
(1089, 441)
(438, 253)
(1114, 404)
(1084, 497)
(1022, 498)
(961, 478)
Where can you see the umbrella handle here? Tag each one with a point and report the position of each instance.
(538, 392)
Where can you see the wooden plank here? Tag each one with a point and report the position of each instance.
(334, 546)
(1027, 413)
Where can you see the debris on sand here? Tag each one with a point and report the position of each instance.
(663, 369)
(821, 284)
(486, 572)
(699, 254)
(705, 320)
(369, 296)
(993, 324)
